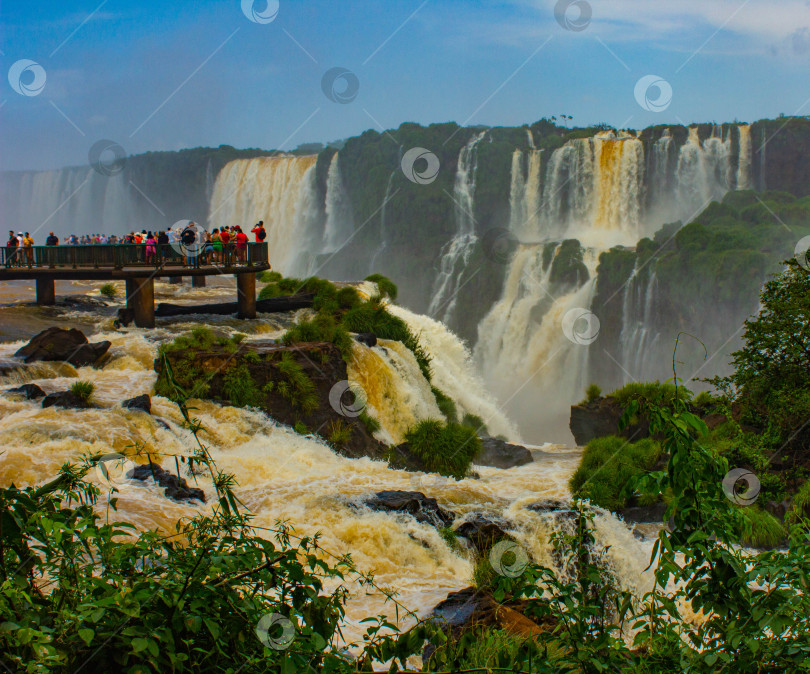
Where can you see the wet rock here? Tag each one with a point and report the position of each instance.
(367, 338)
(175, 487)
(778, 510)
(423, 508)
(600, 418)
(467, 606)
(66, 399)
(483, 531)
(552, 506)
(125, 317)
(81, 302)
(141, 402)
(30, 391)
(58, 344)
(497, 453)
(644, 514)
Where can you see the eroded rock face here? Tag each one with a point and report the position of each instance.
(497, 453)
(58, 344)
(423, 508)
(175, 487)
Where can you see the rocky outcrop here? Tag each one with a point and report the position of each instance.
(483, 531)
(367, 338)
(497, 453)
(555, 507)
(599, 418)
(175, 487)
(29, 391)
(58, 344)
(298, 385)
(66, 399)
(142, 402)
(423, 508)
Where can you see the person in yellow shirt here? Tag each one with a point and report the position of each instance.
(28, 244)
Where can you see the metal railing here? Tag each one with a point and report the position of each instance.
(120, 255)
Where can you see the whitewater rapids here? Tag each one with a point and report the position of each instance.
(283, 476)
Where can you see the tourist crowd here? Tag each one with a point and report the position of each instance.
(196, 245)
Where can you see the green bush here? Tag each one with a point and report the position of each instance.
(592, 393)
(270, 277)
(651, 392)
(301, 428)
(371, 424)
(340, 433)
(761, 529)
(609, 468)
(446, 405)
(83, 390)
(476, 423)
(385, 286)
(239, 387)
(446, 449)
(109, 290)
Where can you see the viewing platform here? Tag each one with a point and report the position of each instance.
(138, 265)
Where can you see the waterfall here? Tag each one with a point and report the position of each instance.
(744, 180)
(522, 349)
(525, 192)
(73, 201)
(455, 254)
(704, 172)
(339, 219)
(383, 231)
(594, 189)
(281, 191)
(638, 336)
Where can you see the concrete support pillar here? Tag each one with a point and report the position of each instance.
(46, 295)
(246, 295)
(198, 281)
(175, 279)
(141, 299)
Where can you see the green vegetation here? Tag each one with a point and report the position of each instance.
(760, 529)
(385, 286)
(83, 390)
(296, 385)
(446, 405)
(239, 387)
(476, 423)
(301, 428)
(609, 469)
(592, 393)
(372, 425)
(109, 290)
(340, 433)
(447, 449)
(650, 392)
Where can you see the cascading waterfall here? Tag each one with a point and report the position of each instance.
(638, 336)
(704, 172)
(525, 192)
(339, 219)
(455, 254)
(73, 201)
(383, 231)
(526, 357)
(280, 191)
(744, 179)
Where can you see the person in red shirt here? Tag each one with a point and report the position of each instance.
(241, 244)
(225, 237)
(258, 230)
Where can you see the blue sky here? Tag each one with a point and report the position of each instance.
(164, 75)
